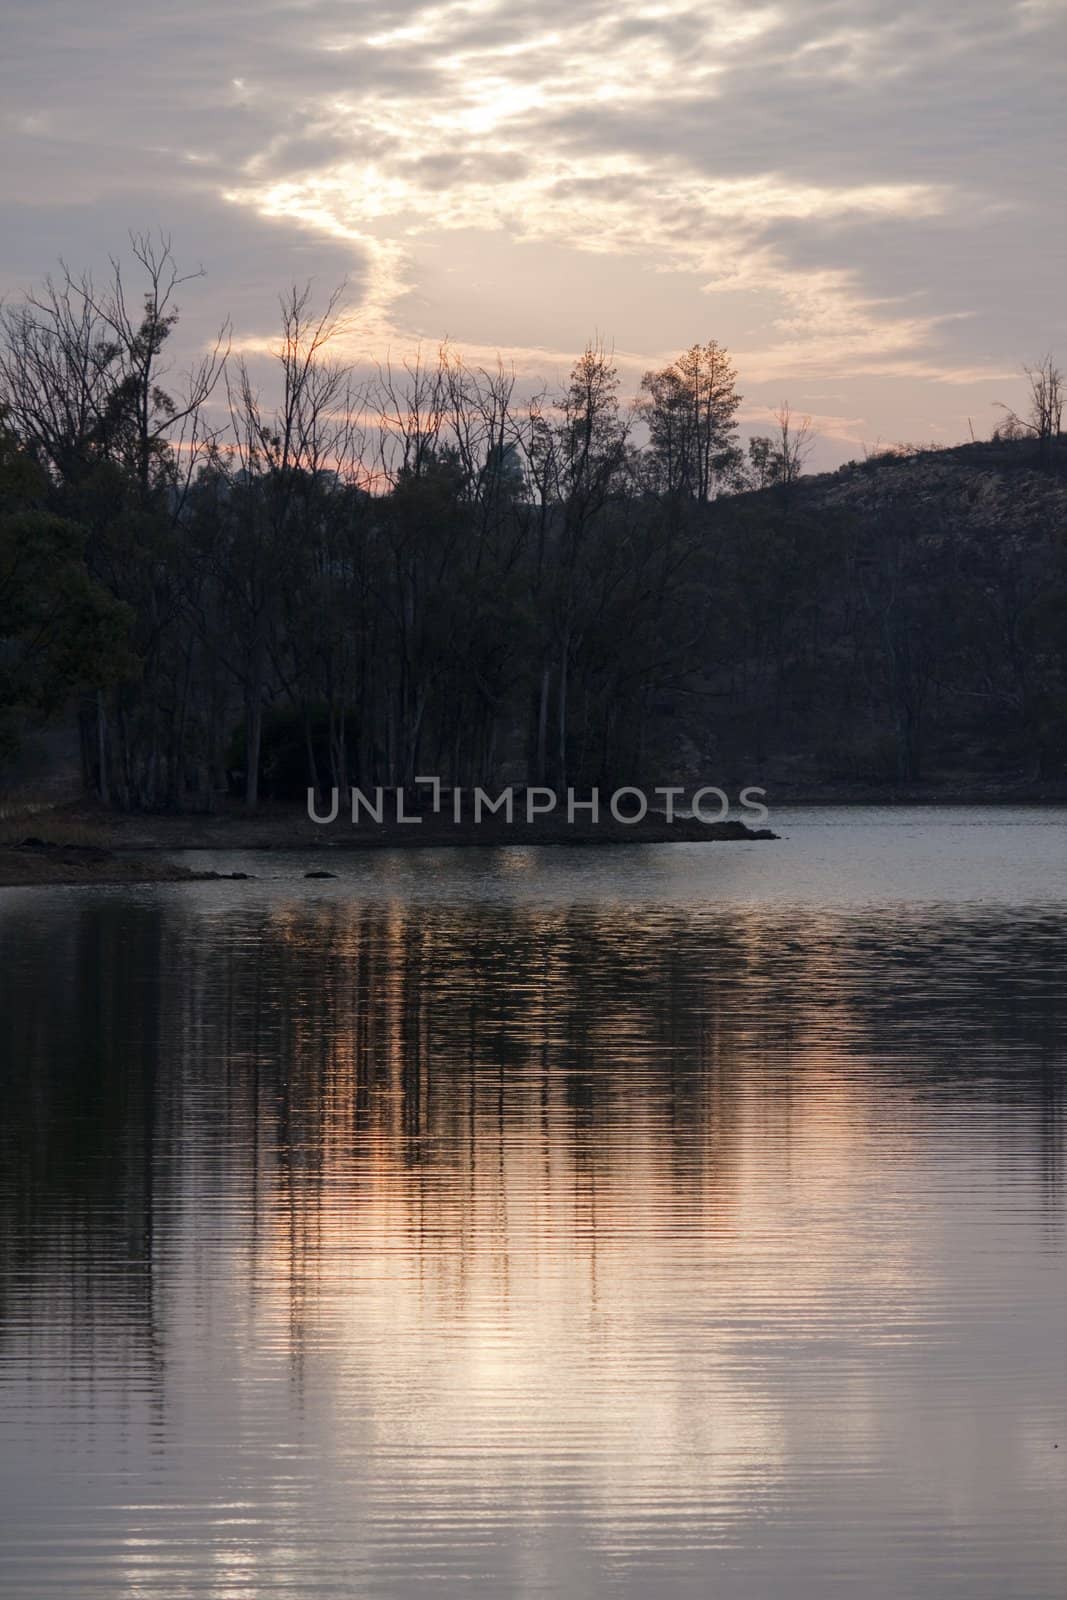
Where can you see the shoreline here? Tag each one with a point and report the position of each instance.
(65, 866)
(92, 846)
(80, 843)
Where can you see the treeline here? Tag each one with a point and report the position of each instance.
(354, 584)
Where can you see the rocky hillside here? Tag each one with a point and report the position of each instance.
(992, 485)
(900, 624)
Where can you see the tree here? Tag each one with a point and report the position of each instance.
(81, 373)
(781, 458)
(286, 462)
(1043, 419)
(690, 410)
(578, 462)
(82, 378)
(60, 633)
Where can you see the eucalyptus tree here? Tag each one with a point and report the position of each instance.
(690, 408)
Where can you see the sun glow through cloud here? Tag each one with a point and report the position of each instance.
(470, 159)
(831, 191)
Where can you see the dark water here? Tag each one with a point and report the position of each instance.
(681, 1220)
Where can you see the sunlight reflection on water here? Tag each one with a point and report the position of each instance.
(562, 1223)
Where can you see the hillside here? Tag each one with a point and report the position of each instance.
(897, 625)
(988, 484)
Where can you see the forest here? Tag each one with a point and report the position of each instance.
(244, 584)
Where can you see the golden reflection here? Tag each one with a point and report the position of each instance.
(495, 1143)
(400, 1225)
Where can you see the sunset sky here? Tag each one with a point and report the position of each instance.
(864, 202)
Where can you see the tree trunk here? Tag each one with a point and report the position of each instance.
(561, 776)
(103, 787)
(542, 727)
(253, 742)
(309, 748)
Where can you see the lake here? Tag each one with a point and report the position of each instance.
(678, 1220)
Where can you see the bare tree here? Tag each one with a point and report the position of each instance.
(82, 377)
(84, 383)
(794, 444)
(145, 421)
(285, 458)
(1043, 418)
(56, 372)
(412, 406)
(779, 458)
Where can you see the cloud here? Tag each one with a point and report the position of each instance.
(837, 191)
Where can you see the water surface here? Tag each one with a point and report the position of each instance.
(681, 1220)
